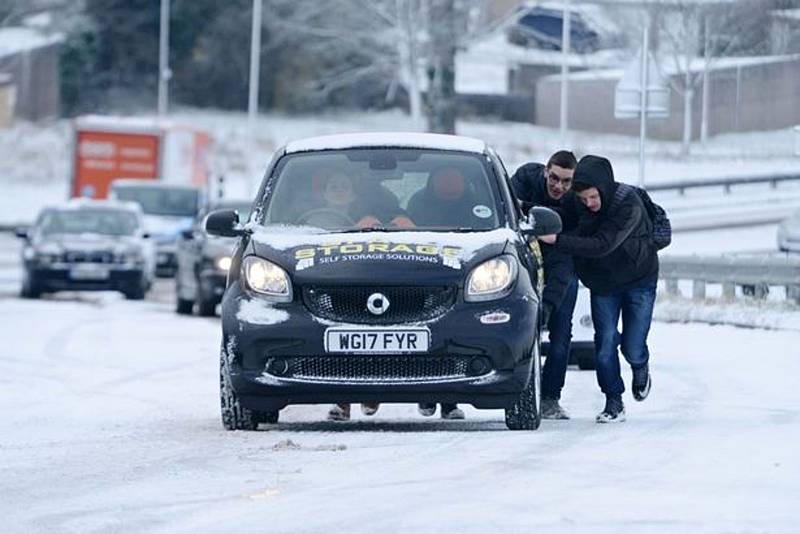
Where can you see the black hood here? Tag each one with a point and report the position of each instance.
(597, 172)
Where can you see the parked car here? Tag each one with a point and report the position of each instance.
(168, 210)
(582, 346)
(203, 262)
(87, 245)
(789, 233)
(382, 268)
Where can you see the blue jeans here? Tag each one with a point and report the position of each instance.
(636, 307)
(560, 328)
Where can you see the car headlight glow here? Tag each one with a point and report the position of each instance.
(223, 263)
(266, 278)
(491, 279)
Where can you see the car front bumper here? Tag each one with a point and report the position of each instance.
(468, 361)
(107, 277)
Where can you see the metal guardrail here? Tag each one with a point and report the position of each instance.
(725, 183)
(754, 275)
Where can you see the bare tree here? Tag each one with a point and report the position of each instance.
(693, 36)
(354, 40)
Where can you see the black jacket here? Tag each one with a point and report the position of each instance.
(530, 187)
(612, 248)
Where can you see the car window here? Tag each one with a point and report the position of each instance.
(94, 221)
(386, 188)
(178, 202)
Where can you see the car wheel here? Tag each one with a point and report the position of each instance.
(234, 415)
(136, 292)
(30, 288)
(206, 308)
(526, 413)
(183, 306)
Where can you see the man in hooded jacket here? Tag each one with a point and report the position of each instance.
(616, 259)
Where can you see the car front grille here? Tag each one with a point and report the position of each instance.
(97, 256)
(370, 368)
(406, 304)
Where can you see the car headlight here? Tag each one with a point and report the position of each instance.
(266, 278)
(492, 279)
(223, 263)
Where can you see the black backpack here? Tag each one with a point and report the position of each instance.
(661, 227)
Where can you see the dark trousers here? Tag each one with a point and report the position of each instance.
(560, 328)
(636, 307)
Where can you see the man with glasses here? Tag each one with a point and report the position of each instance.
(550, 185)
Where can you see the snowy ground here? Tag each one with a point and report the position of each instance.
(111, 424)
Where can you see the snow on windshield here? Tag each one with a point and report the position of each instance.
(384, 188)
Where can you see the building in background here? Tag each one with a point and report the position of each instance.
(497, 73)
(29, 74)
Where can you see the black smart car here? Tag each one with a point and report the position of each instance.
(382, 268)
(203, 262)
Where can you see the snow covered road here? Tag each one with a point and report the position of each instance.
(110, 423)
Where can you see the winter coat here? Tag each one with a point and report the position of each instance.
(612, 248)
(530, 187)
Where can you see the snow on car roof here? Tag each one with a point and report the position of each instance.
(158, 184)
(90, 203)
(387, 139)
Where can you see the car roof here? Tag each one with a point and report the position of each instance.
(135, 182)
(387, 140)
(91, 203)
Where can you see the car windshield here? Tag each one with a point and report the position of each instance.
(85, 221)
(398, 188)
(177, 202)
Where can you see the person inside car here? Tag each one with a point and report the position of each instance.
(445, 200)
(363, 204)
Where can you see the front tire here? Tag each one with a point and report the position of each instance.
(234, 415)
(526, 412)
(30, 288)
(183, 306)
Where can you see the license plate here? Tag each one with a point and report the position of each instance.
(88, 272)
(377, 340)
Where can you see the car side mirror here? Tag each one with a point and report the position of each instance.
(187, 234)
(224, 223)
(146, 235)
(22, 232)
(542, 221)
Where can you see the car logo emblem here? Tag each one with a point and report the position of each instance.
(377, 304)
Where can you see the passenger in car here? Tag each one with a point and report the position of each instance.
(445, 201)
(368, 205)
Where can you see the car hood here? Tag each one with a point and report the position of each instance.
(90, 242)
(379, 258)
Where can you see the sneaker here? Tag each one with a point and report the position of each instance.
(614, 412)
(426, 409)
(551, 409)
(339, 412)
(370, 408)
(640, 387)
(452, 411)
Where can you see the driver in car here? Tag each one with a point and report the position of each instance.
(370, 205)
